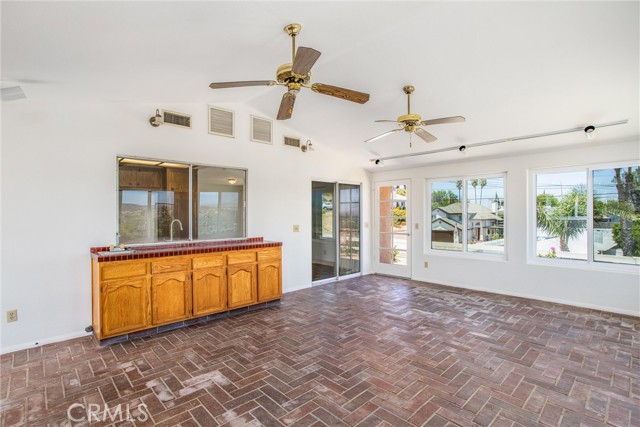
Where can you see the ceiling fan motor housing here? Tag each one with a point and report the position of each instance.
(284, 75)
(409, 121)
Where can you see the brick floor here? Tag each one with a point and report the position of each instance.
(371, 351)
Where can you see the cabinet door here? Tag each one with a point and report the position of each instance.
(124, 306)
(170, 297)
(269, 280)
(241, 285)
(209, 291)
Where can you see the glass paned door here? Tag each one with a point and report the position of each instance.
(335, 228)
(323, 250)
(349, 229)
(393, 228)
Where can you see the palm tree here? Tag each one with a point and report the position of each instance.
(474, 184)
(459, 187)
(483, 183)
(567, 220)
(628, 189)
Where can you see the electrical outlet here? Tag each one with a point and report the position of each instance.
(296, 228)
(426, 264)
(12, 316)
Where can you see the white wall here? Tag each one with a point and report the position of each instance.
(607, 290)
(59, 199)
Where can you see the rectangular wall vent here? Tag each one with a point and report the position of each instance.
(176, 119)
(291, 141)
(261, 130)
(221, 122)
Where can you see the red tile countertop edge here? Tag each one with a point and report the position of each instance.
(188, 248)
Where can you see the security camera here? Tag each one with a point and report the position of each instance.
(462, 148)
(377, 162)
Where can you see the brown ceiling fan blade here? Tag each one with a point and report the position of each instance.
(286, 106)
(224, 85)
(338, 92)
(383, 135)
(425, 135)
(454, 119)
(305, 58)
(386, 121)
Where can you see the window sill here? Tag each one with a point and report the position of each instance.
(466, 255)
(585, 265)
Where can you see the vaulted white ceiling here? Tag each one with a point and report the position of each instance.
(511, 68)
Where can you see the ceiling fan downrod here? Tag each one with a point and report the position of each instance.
(408, 90)
(293, 30)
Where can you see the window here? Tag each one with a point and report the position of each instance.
(590, 215)
(170, 201)
(327, 214)
(475, 226)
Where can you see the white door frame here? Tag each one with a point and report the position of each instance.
(384, 268)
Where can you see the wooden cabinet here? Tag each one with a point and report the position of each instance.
(133, 295)
(177, 180)
(269, 281)
(209, 291)
(242, 285)
(140, 177)
(124, 305)
(269, 274)
(209, 284)
(170, 297)
(242, 278)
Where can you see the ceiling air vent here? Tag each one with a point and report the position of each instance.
(176, 119)
(261, 130)
(291, 141)
(221, 122)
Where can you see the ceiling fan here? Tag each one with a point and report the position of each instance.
(297, 75)
(411, 122)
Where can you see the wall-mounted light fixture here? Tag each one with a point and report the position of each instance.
(232, 180)
(156, 120)
(590, 132)
(307, 146)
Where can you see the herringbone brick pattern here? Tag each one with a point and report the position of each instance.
(371, 351)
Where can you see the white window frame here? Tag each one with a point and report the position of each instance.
(464, 253)
(590, 263)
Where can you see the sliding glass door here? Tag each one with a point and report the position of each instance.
(335, 213)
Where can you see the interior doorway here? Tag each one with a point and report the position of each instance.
(335, 228)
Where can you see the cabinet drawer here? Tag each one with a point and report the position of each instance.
(118, 270)
(208, 262)
(269, 254)
(241, 257)
(169, 265)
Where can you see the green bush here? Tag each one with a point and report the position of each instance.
(635, 235)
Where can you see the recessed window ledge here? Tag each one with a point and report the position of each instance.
(584, 265)
(466, 255)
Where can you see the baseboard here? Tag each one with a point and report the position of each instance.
(539, 298)
(34, 344)
(297, 288)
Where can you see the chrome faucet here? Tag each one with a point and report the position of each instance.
(171, 228)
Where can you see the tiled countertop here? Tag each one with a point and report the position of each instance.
(102, 254)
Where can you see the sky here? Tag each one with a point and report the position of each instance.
(494, 186)
(560, 183)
